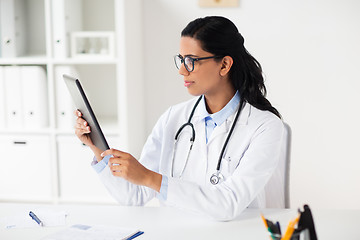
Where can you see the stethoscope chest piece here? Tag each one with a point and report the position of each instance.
(216, 178)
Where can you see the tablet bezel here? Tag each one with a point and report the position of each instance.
(82, 103)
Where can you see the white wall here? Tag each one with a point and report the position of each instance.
(310, 52)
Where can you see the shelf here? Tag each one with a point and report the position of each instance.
(25, 60)
(79, 61)
(42, 60)
(26, 131)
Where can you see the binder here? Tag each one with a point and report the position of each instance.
(13, 101)
(1, 39)
(34, 97)
(65, 118)
(2, 99)
(66, 18)
(12, 28)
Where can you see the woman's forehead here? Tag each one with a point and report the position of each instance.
(191, 46)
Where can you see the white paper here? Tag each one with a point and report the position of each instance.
(23, 220)
(85, 232)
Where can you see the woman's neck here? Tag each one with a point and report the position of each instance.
(216, 102)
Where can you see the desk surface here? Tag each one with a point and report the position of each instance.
(170, 223)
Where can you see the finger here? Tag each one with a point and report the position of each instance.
(80, 132)
(81, 121)
(115, 168)
(82, 124)
(114, 160)
(77, 113)
(82, 127)
(114, 152)
(78, 125)
(117, 173)
(85, 128)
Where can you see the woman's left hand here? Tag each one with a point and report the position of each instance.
(124, 165)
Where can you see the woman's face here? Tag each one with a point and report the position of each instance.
(205, 78)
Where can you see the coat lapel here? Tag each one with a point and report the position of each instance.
(224, 128)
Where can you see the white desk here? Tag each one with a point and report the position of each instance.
(169, 223)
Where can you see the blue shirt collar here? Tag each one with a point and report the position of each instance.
(220, 116)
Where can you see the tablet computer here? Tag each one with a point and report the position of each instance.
(82, 103)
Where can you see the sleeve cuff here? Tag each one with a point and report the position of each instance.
(163, 189)
(99, 166)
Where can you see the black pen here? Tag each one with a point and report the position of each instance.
(35, 218)
(278, 226)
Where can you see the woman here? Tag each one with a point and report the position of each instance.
(238, 134)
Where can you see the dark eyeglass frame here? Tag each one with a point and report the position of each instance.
(183, 59)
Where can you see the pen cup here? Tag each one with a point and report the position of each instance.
(275, 236)
(297, 235)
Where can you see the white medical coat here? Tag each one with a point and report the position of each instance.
(250, 160)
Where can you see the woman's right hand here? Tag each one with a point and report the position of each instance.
(82, 129)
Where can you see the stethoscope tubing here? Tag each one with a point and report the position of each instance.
(229, 135)
(187, 158)
(215, 178)
(188, 123)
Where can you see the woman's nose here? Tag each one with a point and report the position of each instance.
(183, 71)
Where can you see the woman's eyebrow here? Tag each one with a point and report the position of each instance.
(191, 55)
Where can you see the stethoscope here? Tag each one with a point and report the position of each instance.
(217, 176)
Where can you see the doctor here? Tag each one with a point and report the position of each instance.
(214, 154)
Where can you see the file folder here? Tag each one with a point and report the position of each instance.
(12, 28)
(13, 99)
(66, 17)
(34, 97)
(25, 101)
(2, 98)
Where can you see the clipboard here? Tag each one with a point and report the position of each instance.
(82, 103)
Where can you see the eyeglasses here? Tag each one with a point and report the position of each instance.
(188, 61)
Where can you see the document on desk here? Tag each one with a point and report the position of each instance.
(22, 219)
(99, 232)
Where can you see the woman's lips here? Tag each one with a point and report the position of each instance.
(188, 83)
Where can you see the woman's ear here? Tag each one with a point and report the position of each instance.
(226, 64)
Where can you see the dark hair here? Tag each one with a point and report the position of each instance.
(220, 36)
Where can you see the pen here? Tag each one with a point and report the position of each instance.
(265, 223)
(278, 227)
(135, 235)
(35, 218)
(290, 229)
(267, 227)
